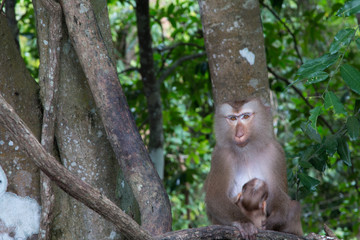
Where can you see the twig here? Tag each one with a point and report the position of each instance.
(130, 70)
(169, 70)
(287, 28)
(302, 97)
(167, 48)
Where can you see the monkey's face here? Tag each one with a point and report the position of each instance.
(238, 122)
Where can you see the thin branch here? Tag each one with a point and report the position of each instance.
(302, 97)
(170, 69)
(130, 70)
(168, 48)
(287, 29)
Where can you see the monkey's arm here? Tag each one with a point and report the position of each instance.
(221, 208)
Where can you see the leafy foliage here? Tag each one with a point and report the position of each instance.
(313, 56)
(322, 92)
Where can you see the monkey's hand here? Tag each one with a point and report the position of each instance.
(247, 230)
(275, 221)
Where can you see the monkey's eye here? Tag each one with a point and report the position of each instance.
(232, 118)
(245, 115)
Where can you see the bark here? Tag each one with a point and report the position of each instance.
(51, 83)
(11, 17)
(20, 89)
(118, 121)
(151, 86)
(80, 136)
(222, 232)
(235, 48)
(92, 197)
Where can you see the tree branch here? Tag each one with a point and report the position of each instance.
(221, 232)
(129, 70)
(287, 29)
(322, 120)
(169, 48)
(71, 184)
(170, 69)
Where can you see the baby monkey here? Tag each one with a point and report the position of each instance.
(252, 201)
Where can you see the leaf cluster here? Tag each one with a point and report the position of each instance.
(316, 78)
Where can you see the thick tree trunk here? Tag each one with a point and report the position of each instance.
(235, 48)
(80, 136)
(115, 114)
(19, 89)
(11, 17)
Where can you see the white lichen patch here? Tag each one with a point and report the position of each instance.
(249, 4)
(236, 24)
(83, 8)
(254, 82)
(45, 42)
(248, 55)
(19, 215)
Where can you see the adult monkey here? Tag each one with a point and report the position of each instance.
(246, 148)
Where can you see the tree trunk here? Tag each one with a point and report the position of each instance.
(119, 124)
(19, 89)
(151, 86)
(11, 17)
(80, 136)
(235, 48)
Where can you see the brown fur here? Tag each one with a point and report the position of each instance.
(252, 201)
(237, 160)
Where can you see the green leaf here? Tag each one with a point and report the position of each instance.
(319, 157)
(353, 127)
(316, 65)
(314, 114)
(357, 106)
(342, 38)
(310, 132)
(358, 43)
(343, 151)
(332, 100)
(351, 76)
(331, 145)
(307, 154)
(308, 182)
(170, 9)
(350, 8)
(304, 164)
(317, 77)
